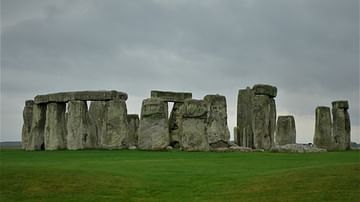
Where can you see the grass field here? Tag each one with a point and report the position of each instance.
(100, 175)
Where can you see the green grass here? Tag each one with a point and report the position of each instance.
(100, 175)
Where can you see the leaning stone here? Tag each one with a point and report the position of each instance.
(81, 133)
(262, 89)
(263, 120)
(341, 127)
(193, 126)
(169, 96)
(340, 104)
(81, 95)
(285, 131)
(55, 126)
(219, 144)
(37, 128)
(116, 125)
(244, 132)
(97, 113)
(169, 148)
(217, 128)
(323, 134)
(27, 118)
(133, 125)
(174, 130)
(297, 148)
(153, 127)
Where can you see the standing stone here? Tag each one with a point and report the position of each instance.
(153, 128)
(55, 126)
(97, 112)
(323, 134)
(115, 125)
(81, 133)
(285, 130)
(37, 128)
(341, 125)
(244, 136)
(193, 125)
(264, 116)
(133, 125)
(27, 118)
(217, 128)
(174, 130)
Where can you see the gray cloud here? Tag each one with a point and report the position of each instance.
(308, 49)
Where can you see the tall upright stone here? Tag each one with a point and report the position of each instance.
(153, 128)
(27, 118)
(244, 133)
(323, 128)
(193, 125)
(264, 116)
(97, 112)
(133, 126)
(217, 128)
(55, 126)
(174, 130)
(37, 128)
(285, 130)
(115, 125)
(341, 125)
(81, 133)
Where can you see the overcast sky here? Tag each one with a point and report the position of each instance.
(308, 49)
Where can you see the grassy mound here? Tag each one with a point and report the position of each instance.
(100, 175)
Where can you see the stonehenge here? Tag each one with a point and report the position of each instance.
(332, 129)
(62, 121)
(256, 117)
(285, 130)
(99, 119)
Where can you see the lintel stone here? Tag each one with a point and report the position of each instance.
(263, 89)
(340, 104)
(169, 96)
(82, 96)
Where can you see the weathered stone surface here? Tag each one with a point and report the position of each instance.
(81, 95)
(263, 121)
(341, 126)
(340, 104)
(262, 89)
(193, 125)
(169, 96)
(37, 128)
(27, 118)
(285, 130)
(244, 135)
(153, 128)
(133, 125)
(174, 129)
(217, 128)
(323, 128)
(81, 133)
(297, 148)
(55, 126)
(97, 112)
(115, 125)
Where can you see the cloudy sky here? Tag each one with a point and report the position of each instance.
(309, 49)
